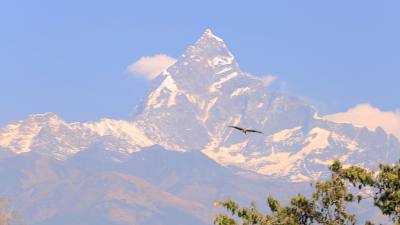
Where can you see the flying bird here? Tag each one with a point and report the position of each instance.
(245, 130)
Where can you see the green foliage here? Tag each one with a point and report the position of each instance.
(329, 202)
(330, 199)
(384, 183)
(326, 206)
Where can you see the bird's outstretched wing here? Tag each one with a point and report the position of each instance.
(255, 131)
(239, 128)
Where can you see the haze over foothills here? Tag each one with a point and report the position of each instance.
(119, 113)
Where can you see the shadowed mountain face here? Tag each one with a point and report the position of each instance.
(105, 172)
(190, 175)
(48, 190)
(153, 186)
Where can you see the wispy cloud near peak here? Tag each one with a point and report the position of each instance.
(370, 117)
(149, 67)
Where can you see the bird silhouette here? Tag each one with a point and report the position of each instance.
(245, 130)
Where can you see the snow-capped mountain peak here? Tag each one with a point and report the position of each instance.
(208, 34)
(45, 118)
(209, 41)
(49, 134)
(208, 53)
(20, 135)
(189, 108)
(193, 102)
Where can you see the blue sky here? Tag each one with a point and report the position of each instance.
(70, 57)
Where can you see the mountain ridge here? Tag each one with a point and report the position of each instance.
(177, 155)
(189, 107)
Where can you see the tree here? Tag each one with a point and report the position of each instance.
(329, 202)
(384, 185)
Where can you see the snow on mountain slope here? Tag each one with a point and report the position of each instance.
(210, 92)
(201, 78)
(121, 129)
(189, 107)
(49, 134)
(42, 132)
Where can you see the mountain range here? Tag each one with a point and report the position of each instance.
(177, 154)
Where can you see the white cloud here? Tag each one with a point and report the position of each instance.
(149, 67)
(368, 116)
(268, 79)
